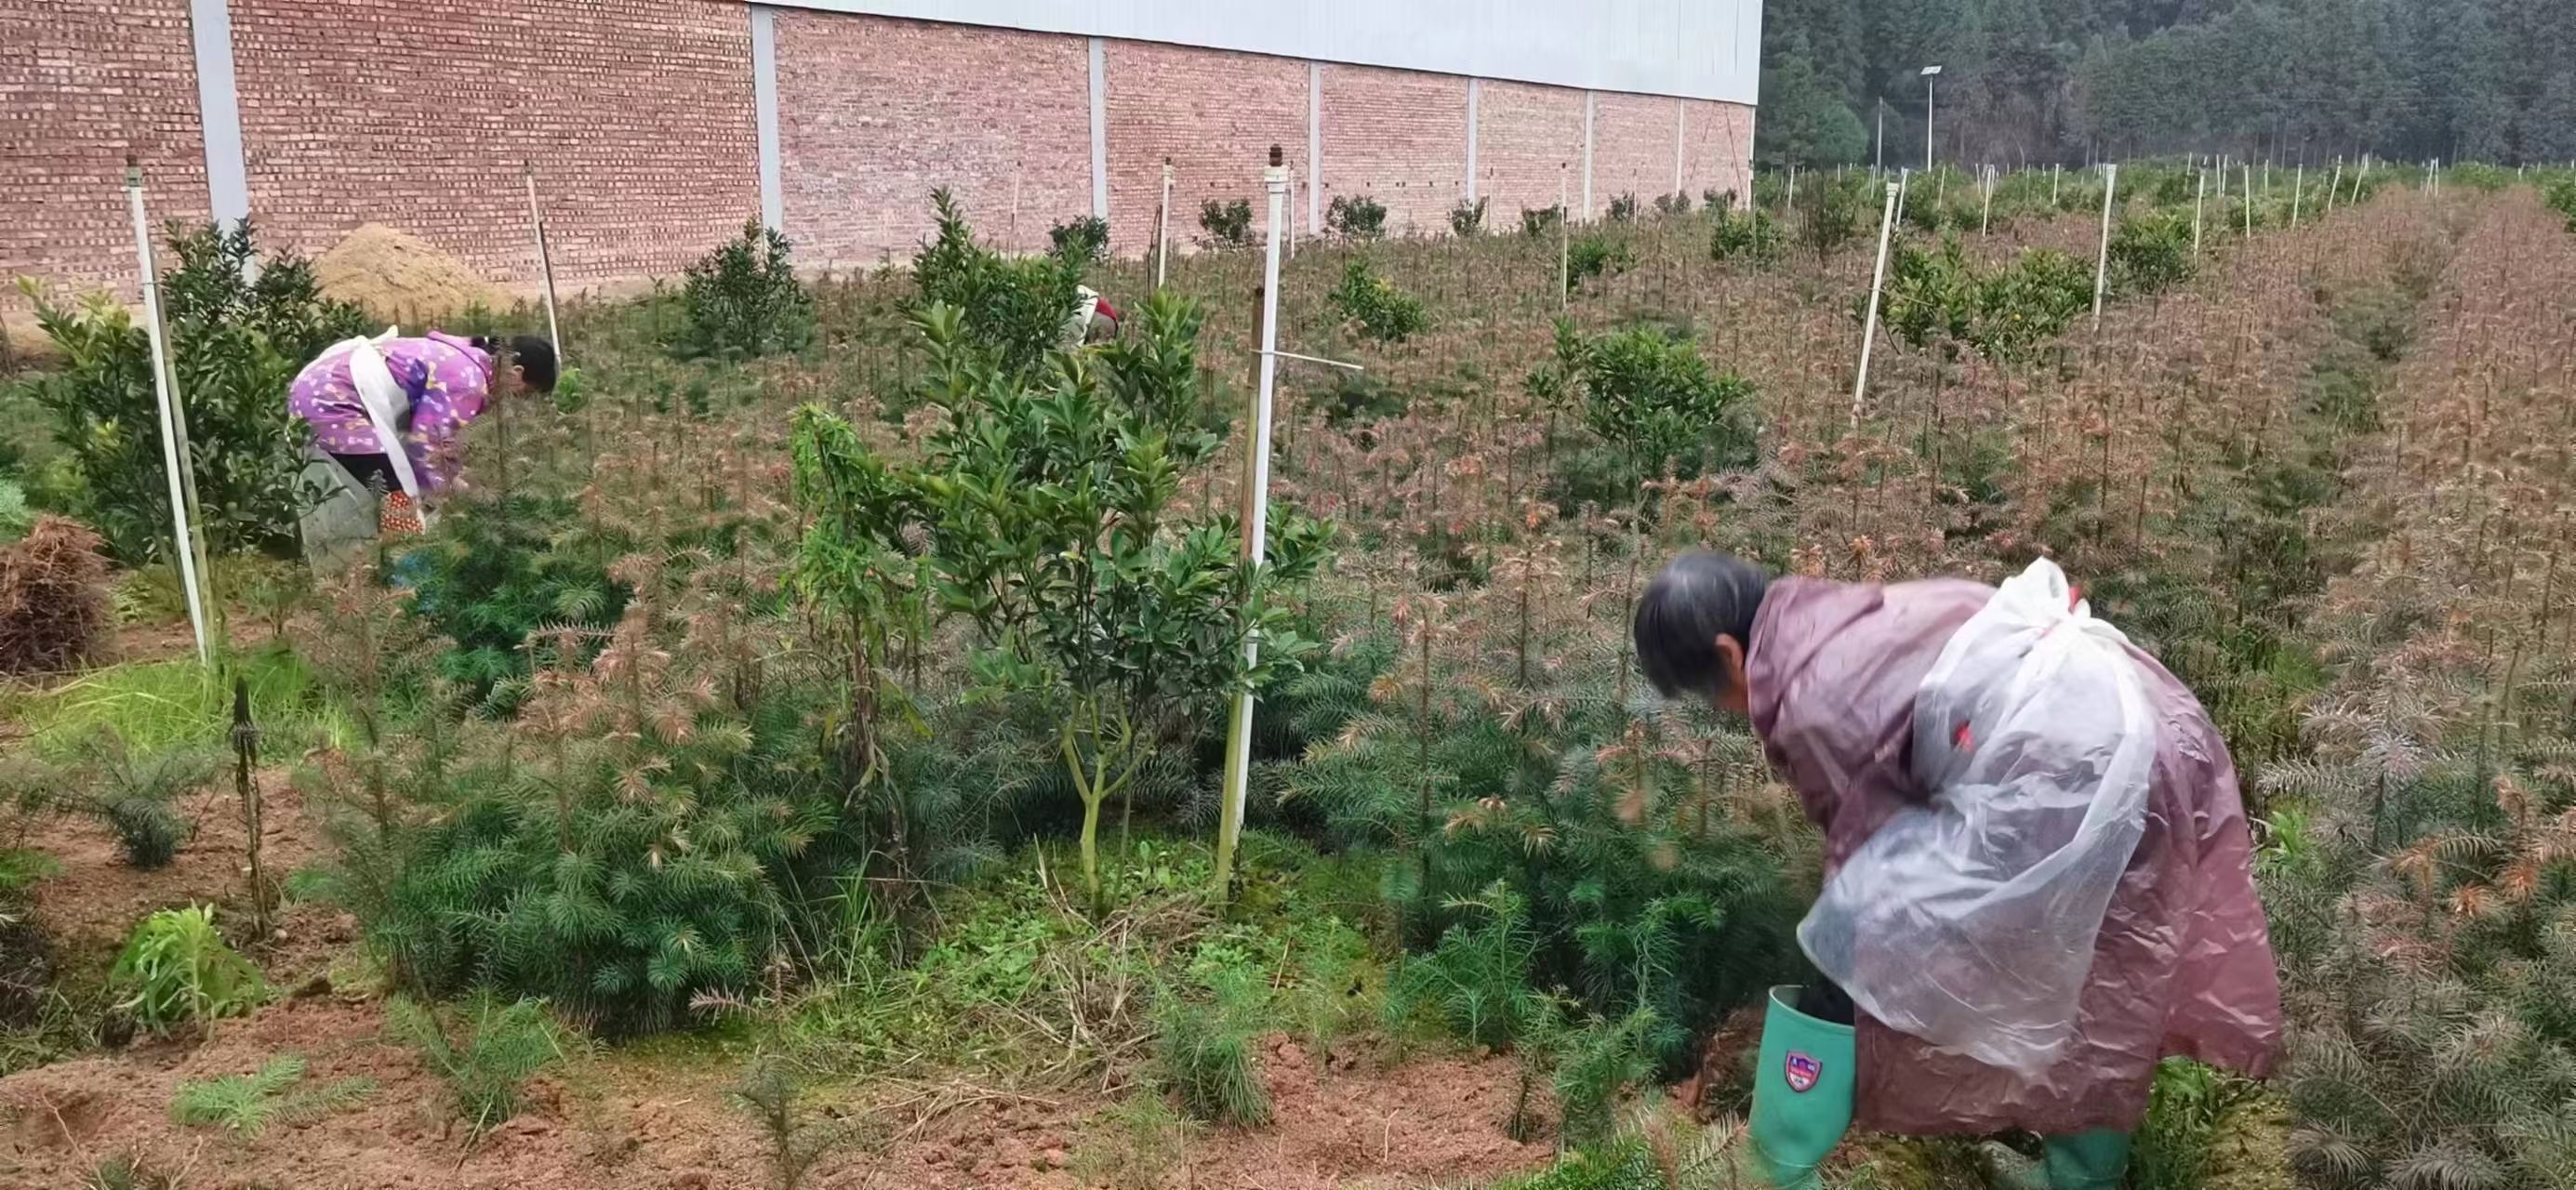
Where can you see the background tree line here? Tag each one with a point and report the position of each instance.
(2069, 80)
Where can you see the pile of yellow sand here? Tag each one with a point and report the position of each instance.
(397, 275)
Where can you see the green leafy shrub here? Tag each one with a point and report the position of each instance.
(177, 970)
(2561, 197)
(2021, 306)
(1049, 519)
(1654, 397)
(2151, 253)
(235, 345)
(742, 300)
(1832, 220)
(1930, 295)
(1081, 241)
(487, 1072)
(1358, 218)
(1382, 311)
(1204, 1047)
(1012, 310)
(1596, 254)
(1468, 218)
(1225, 224)
(1540, 221)
(1623, 208)
(16, 516)
(247, 1104)
(1750, 236)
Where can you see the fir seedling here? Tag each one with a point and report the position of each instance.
(248, 1104)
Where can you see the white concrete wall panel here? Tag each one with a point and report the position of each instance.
(1699, 49)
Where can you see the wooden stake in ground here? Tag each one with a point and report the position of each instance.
(245, 741)
(1878, 281)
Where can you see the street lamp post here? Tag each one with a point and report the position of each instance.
(1929, 73)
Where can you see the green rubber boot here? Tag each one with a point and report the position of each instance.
(1802, 1092)
(2086, 1160)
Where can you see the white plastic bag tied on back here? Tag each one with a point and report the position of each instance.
(1970, 921)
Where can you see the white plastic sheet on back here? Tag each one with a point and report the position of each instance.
(1970, 921)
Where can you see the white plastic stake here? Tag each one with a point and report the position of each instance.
(2056, 179)
(172, 450)
(2249, 201)
(1163, 229)
(2298, 193)
(545, 264)
(2102, 265)
(2199, 201)
(1878, 281)
(1986, 222)
(1793, 193)
(1904, 182)
(1256, 517)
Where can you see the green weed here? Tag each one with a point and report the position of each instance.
(177, 970)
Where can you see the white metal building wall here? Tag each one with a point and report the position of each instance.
(1698, 49)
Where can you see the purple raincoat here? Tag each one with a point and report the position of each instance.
(2184, 962)
(446, 377)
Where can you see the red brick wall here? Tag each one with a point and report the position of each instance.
(1632, 149)
(874, 113)
(639, 117)
(1399, 136)
(417, 113)
(83, 83)
(1718, 143)
(1215, 114)
(1523, 134)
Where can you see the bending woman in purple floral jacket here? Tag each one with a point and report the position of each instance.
(432, 386)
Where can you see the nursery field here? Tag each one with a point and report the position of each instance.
(796, 755)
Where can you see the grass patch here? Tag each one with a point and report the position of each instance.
(157, 705)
